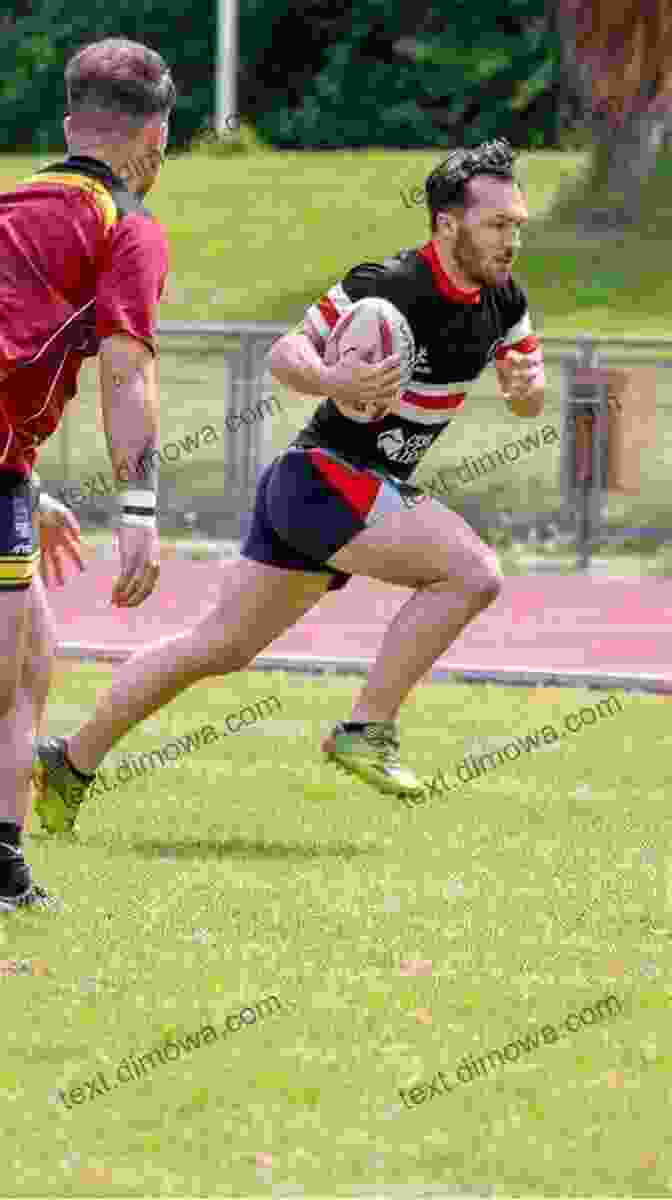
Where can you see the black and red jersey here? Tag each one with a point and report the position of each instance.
(457, 333)
(80, 259)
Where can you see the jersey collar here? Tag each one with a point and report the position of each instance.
(96, 168)
(443, 281)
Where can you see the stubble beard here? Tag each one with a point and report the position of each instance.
(470, 260)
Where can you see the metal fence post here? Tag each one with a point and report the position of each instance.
(246, 402)
(244, 435)
(584, 424)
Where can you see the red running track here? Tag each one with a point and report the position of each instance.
(553, 625)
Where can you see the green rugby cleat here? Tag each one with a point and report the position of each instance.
(58, 792)
(373, 755)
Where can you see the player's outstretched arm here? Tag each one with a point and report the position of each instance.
(295, 360)
(522, 382)
(129, 399)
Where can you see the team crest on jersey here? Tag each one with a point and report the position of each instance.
(404, 450)
(391, 443)
(421, 362)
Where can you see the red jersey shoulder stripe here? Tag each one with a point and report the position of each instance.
(329, 311)
(526, 345)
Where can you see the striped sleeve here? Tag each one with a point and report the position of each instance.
(521, 338)
(321, 317)
(366, 279)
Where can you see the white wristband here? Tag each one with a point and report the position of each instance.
(138, 507)
(137, 498)
(127, 518)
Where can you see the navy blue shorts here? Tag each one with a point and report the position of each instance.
(310, 502)
(19, 549)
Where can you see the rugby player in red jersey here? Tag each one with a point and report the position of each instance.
(82, 268)
(337, 501)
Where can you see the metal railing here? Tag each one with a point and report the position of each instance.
(245, 448)
(653, 349)
(243, 388)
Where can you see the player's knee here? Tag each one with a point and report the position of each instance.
(486, 582)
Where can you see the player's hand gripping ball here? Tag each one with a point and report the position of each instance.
(370, 353)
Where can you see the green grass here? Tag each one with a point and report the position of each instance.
(258, 237)
(253, 869)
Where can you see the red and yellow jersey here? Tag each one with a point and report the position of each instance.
(80, 259)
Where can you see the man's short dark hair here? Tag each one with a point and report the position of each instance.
(447, 185)
(118, 79)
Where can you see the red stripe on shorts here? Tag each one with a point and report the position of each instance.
(357, 487)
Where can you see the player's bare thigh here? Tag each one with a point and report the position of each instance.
(258, 602)
(41, 638)
(417, 546)
(15, 609)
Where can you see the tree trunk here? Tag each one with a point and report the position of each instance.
(626, 96)
(625, 156)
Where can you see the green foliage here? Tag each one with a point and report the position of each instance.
(371, 73)
(243, 140)
(457, 75)
(35, 48)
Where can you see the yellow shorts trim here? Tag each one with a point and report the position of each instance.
(17, 570)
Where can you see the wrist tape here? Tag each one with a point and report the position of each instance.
(138, 507)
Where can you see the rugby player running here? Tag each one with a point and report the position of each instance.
(82, 268)
(336, 503)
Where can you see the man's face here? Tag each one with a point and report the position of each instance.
(486, 240)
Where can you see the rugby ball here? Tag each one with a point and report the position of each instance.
(372, 329)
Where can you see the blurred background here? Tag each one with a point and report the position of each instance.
(300, 145)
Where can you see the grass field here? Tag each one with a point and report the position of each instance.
(252, 870)
(258, 237)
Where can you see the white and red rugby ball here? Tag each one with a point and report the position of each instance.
(373, 329)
